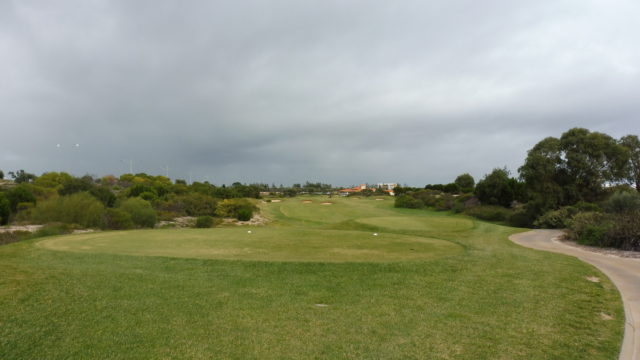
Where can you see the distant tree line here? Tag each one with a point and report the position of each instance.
(585, 181)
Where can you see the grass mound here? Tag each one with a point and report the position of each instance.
(262, 244)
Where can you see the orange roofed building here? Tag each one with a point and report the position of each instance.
(358, 189)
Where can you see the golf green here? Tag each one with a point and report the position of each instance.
(264, 244)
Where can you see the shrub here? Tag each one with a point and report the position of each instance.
(5, 209)
(204, 221)
(52, 230)
(445, 202)
(407, 201)
(590, 228)
(625, 234)
(106, 196)
(489, 212)
(244, 214)
(556, 219)
(141, 212)
(9, 237)
(234, 207)
(623, 202)
(117, 219)
(79, 208)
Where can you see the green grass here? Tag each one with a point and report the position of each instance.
(264, 244)
(470, 293)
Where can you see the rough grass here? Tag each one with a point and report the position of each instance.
(493, 300)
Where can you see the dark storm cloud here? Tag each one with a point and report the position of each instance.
(287, 91)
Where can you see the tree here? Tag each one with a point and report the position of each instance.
(20, 194)
(21, 176)
(544, 174)
(574, 168)
(465, 182)
(632, 145)
(591, 160)
(1, 175)
(497, 188)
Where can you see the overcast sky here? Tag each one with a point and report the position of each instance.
(343, 91)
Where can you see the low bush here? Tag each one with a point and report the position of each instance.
(204, 222)
(236, 208)
(9, 237)
(407, 201)
(623, 202)
(244, 214)
(556, 219)
(117, 219)
(590, 228)
(141, 212)
(489, 212)
(52, 230)
(78, 208)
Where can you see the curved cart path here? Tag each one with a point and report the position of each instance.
(624, 272)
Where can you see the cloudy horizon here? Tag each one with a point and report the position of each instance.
(283, 92)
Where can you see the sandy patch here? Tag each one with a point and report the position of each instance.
(29, 228)
(379, 199)
(307, 201)
(326, 203)
(593, 279)
(604, 316)
(276, 200)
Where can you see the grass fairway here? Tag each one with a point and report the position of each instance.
(313, 284)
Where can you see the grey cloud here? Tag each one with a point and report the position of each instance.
(287, 91)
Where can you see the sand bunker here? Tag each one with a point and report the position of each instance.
(307, 201)
(276, 200)
(326, 203)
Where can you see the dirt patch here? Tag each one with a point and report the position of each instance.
(29, 228)
(307, 201)
(379, 199)
(326, 203)
(179, 222)
(593, 279)
(256, 220)
(604, 316)
(276, 201)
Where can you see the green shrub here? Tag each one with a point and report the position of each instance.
(244, 214)
(623, 202)
(141, 212)
(625, 234)
(117, 219)
(489, 212)
(445, 202)
(407, 201)
(9, 237)
(5, 209)
(106, 196)
(590, 228)
(556, 219)
(233, 208)
(79, 208)
(52, 230)
(204, 221)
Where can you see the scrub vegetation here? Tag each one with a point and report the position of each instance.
(316, 283)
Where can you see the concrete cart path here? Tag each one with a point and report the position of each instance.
(624, 272)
